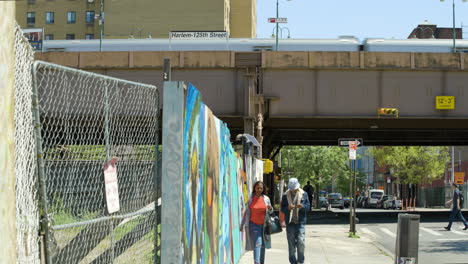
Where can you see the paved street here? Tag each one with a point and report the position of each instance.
(436, 245)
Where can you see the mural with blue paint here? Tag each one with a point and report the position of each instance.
(214, 184)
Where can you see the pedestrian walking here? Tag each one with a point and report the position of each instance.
(456, 212)
(294, 205)
(310, 193)
(254, 222)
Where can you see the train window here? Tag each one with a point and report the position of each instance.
(262, 48)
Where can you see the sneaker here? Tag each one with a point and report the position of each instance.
(447, 228)
(466, 227)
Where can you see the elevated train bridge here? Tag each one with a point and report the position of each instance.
(309, 97)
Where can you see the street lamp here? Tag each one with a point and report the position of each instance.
(277, 25)
(281, 31)
(453, 24)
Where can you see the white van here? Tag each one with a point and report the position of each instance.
(374, 196)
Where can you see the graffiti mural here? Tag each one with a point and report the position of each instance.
(214, 186)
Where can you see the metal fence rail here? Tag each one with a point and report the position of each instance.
(436, 197)
(85, 120)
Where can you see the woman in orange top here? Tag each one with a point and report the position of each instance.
(255, 216)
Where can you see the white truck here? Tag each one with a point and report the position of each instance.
(373, 197)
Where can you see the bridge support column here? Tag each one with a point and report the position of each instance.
(172, 170)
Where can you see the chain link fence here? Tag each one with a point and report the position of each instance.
(84, 120)
(27, 212)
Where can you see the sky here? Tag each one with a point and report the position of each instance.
(360, 18)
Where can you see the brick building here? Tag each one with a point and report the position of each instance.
(427, 30)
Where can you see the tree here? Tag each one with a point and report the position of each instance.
(414, 164)
(318, 164)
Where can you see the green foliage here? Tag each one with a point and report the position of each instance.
(318, 164)
(342, 185)
(414, 164)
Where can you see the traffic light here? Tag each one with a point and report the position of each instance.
(387, 112)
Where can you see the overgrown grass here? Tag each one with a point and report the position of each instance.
(142, 251)
(351, 235)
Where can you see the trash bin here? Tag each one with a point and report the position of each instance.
(407, 242)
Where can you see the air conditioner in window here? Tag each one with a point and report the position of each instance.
(90, 1)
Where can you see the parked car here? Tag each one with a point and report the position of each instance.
(323, 202)
(361, 202)
(381, 202)
(392, 203)
(336, 200)
(347, 201)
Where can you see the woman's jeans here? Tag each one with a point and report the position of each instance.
(296, 240)
(256, 235)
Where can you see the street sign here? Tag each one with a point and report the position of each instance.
(195, 35)
(352, 149)
(445, 102)
(278, 20)
(111, 186)
(459, 177)
(344, 142)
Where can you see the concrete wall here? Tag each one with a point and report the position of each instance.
(268, 60)
(7, 125)
(300, 84)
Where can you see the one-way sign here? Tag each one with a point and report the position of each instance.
(344, 142)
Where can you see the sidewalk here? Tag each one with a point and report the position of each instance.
(325, 244)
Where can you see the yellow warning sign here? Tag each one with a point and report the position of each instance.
(445, 102)
(459, 177)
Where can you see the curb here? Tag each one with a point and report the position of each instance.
(383, 249)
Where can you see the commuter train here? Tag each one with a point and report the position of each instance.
(236, 44)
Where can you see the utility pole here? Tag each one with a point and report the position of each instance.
(101, 25)
(277, 26)
(453, 27)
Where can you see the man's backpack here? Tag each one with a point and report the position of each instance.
(462, 199)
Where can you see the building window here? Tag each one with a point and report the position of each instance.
(50, 17)
(49, 37)
(70, 36)
(89, 36)
(31, 18)
(71, 17)
(89, 17)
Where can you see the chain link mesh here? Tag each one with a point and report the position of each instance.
(27, 214)
(86, 119)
